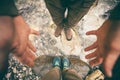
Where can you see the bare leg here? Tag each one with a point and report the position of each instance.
(70, 74)
(54, 74)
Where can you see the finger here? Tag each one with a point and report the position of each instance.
(109, 62)
(91, 55)
(96, 61)
(32, 31)
(26, 58)
(93, 32)
(17, 49)
(93, 46)
(30, 46)
(28, 62)
(31, 55)
(28, 54)
(30, 58)
(22, 58)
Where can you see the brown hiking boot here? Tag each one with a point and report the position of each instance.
(68, 33)
(58, 31)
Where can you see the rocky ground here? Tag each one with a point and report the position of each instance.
(38, 17)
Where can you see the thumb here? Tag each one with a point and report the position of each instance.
(109, 61)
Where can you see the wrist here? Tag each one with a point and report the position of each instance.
(18, 19)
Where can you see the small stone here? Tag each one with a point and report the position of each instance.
(52, 42)
(8, 75)
(14, 70)
(24, 68)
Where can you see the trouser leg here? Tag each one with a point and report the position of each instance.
(56, 10)
(54, 74)
(70, 74)
(6, 37)
(77, 10)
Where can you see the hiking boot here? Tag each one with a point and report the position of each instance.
(68, 33)
(58, 31)
(57, 62)
(65, 63)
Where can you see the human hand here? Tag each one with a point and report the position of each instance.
(97, 55)
(22, 47)
(112, 47)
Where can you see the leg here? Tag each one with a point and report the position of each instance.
(77, 10)
(6, 36)
(57, 12)
(53, 74)
(70, 74)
